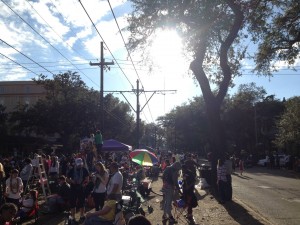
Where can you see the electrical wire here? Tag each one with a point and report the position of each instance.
(18, 64)
(53, 29)
(104, 42)
(47, 42)
(130, 57)
(26, 56)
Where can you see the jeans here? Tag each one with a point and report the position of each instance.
(95, 220)
(168, 198)
(98, 200)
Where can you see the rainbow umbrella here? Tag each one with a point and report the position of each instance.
(143, 157)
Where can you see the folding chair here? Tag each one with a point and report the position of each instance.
(32, 213)
(179, 209)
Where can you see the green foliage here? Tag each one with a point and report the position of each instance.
(3, 121)
(288, 125)
(72, 110)
(185, 127)
(274, 25)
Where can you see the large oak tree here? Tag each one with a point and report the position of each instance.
(214, 33)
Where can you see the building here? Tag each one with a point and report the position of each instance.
(14, 94)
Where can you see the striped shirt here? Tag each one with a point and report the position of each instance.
(221, 173)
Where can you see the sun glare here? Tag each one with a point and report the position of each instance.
(166, 52)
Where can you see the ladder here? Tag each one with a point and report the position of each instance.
(42, 175)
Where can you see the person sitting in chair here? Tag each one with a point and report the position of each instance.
(28, 204)
(106, 214)
(58, 201)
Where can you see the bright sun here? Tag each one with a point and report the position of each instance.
(166, 52)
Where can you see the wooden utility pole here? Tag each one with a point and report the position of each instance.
(138, 109)
(102, 64)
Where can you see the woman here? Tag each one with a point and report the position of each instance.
(222, 180)
(14, 188)
(100, 180)
(54, 167)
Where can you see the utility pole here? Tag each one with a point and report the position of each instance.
(102, 64)
(138, 109)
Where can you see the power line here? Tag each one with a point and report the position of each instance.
(47, 41)
(104, 42)
(26, 56)
(52, 28)
(129, 55)
(18, 64)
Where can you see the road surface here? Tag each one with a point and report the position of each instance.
(274, 194)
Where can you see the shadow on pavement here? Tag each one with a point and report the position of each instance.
(240, 214)
(241, 176)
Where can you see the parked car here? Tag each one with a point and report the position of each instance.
(266, 161)
(284, 161)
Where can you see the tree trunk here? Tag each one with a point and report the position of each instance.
(217, 138)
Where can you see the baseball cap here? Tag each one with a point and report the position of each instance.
(78, 162)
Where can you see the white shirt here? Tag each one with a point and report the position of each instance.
(14, 190)
(102, 186)
(117, 178)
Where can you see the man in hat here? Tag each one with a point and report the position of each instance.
(77, 177)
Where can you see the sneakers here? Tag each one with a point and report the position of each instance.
(172, 220)
(164, 218)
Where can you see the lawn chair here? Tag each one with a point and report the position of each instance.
(179, 211)
(33, 213)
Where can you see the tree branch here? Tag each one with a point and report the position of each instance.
(238, 21)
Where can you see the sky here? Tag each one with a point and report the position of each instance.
(53, 36)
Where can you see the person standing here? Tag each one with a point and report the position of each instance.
(100, 181)
(14, 188)
(229, 170)
(221, 180)
(2, 184)
(188, 187)
(241, 165)
(54, 167)
(115, 183)
(26, 172)
(170, 184)
(98, 142)
(77, 177)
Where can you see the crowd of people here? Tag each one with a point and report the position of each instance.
(101, 177)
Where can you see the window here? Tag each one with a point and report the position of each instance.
(2, 90)
(27, 89)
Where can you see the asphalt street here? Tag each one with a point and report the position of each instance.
(272, 193)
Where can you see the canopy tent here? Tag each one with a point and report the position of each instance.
(112, 145)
